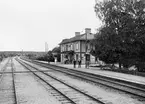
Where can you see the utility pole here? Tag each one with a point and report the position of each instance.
(87, 56)
(86, 49)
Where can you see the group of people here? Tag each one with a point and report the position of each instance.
(77, 61)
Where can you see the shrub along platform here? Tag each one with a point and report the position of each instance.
(116, 69)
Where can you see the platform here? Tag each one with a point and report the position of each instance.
(97, 70)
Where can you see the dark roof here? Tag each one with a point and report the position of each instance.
(78, 38)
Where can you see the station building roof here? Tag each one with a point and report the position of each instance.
(81, 37)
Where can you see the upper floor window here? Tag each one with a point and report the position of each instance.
(71, 47)
(77, 46)
(67, 47)
(62, 47)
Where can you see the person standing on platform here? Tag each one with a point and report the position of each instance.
(88, 63)
(74, 62)
(79, 63)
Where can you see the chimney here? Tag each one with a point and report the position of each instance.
(88, 30)
(77, 33)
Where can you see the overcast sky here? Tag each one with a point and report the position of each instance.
(28, 24)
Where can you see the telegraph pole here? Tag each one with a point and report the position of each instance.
(86, 50)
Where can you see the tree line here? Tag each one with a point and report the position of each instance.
(121, 39)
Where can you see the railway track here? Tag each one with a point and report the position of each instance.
(67, 93)
(7, 85)
(133, 89)
(13, 80)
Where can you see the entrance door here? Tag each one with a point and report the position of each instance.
(87, 57)
(77, 56)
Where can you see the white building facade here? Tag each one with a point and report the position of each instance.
(77, 47)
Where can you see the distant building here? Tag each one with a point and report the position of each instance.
(77, 47)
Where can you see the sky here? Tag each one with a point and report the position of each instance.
(28, 24)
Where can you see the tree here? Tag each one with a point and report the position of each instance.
(46, 57)
(122, 37)
(30, 56)
(57, 51)
(49, 56)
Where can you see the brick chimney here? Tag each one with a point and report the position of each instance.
(77, 33)
(88, 30)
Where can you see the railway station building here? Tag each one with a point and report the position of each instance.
(77, 47)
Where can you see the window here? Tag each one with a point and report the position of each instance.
(71, 47)
(88, 46)
(66, 47)
(77, 46)
(62, 48)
